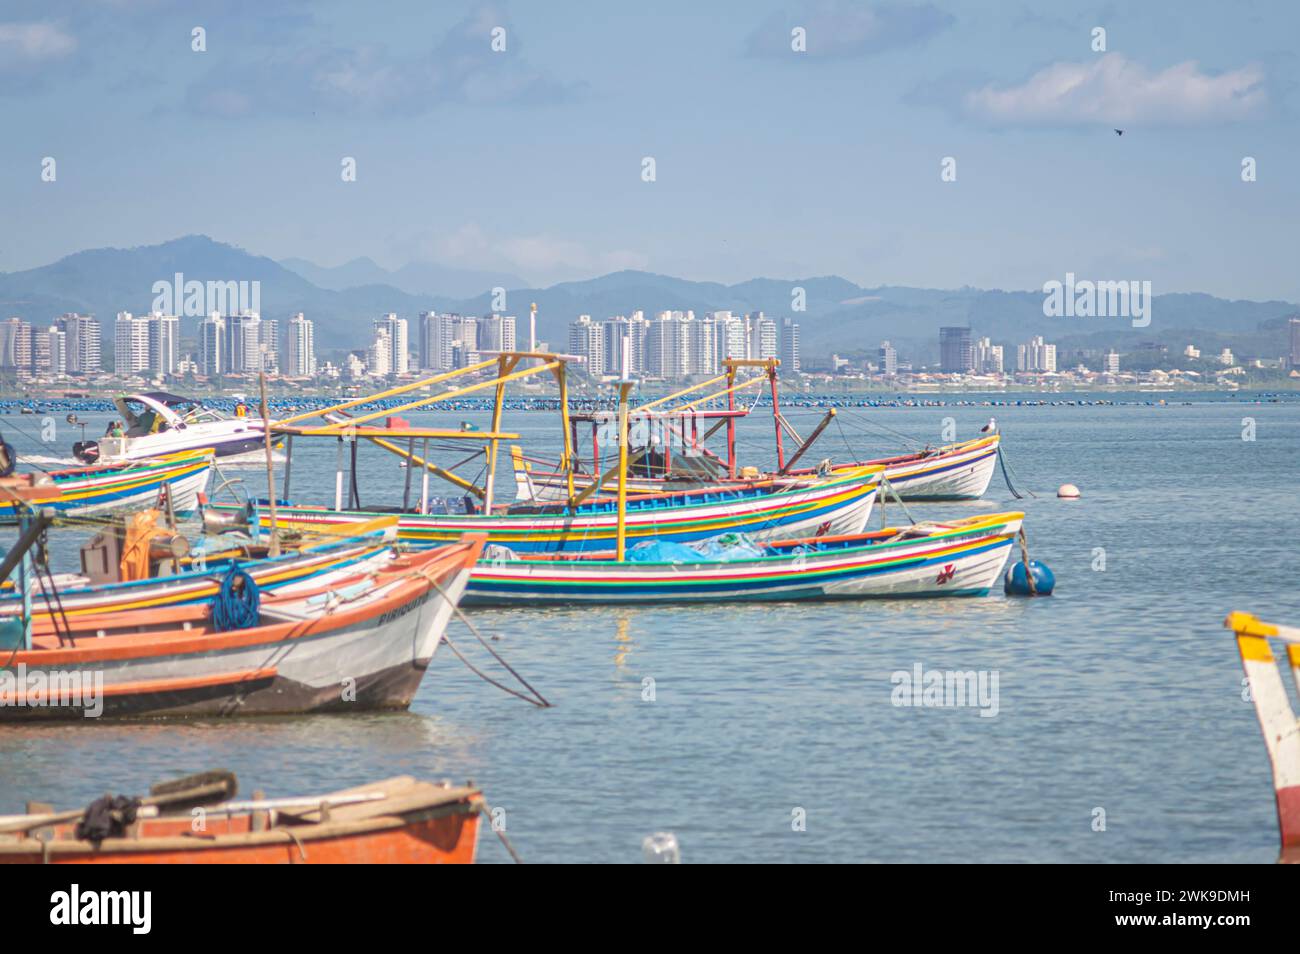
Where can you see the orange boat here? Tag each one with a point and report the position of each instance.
(395, 821)
(362, 642)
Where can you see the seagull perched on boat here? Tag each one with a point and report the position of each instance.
(991, 427)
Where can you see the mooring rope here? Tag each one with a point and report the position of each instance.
(539, 700)
(1024, 556)
(1005, 476)
(500, 833)
(57, 600)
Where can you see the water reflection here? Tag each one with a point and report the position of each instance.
(623, 641)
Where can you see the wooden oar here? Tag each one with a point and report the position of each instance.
(201, 789)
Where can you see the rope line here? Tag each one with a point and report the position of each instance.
(539, 700)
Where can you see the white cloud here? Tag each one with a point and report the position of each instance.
(1113, 90)
(370, 80)
(30, 44)
(849, 28)
(542, 257)
(35, 41)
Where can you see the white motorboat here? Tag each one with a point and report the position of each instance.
(156, 423)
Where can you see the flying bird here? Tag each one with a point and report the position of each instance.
(1119, 132)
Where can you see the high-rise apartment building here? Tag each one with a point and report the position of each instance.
(82, 337)
(243, 344)
(164, 332)
(398, 345)
(955, 352)
(988, 357)
(888, 358)
(763, 343)
(791, 363)
(130, 344)
(299, 348)
(1036, 356)
(213, 360)
(379, 355)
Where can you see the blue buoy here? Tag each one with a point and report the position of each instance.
(1016, 584)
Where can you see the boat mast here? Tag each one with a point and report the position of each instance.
(776, 414)
(270, 466)
(731, 422)
(504, 366)
(20, 556)
(562, 376)
(623, 388)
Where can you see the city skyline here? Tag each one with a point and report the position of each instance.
(671, 346)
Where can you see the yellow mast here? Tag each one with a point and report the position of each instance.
(270, 467)
(623, 388)
(562, 375)
(505, 364)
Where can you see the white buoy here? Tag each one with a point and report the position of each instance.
(661, 848)
(1069, 491)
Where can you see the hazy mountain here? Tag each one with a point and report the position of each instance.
(414, 278)
(105, 281)
(839, 316)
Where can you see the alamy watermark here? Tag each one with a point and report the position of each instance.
(677, 432)
(52, 688)
(195, 299)
(1089, 299)
(946, 689)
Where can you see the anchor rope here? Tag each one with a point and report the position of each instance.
(500, 833)
(539, 700)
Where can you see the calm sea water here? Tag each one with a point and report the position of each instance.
(1122, 692)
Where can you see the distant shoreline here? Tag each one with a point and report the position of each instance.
(21, 405)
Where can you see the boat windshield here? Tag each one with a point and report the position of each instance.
(192, 412)
(141, 419)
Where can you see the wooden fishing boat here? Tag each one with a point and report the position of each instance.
(957, 558)
(765, 510)
(124, 486)
(960, 471)
(393, 821)
(1276, 717)
(363, 642)
(77, 597)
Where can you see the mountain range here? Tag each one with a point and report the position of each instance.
(838, 316)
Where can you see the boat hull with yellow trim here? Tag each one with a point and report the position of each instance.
(953, 472)
(108, 487)
(197, 583)
(1277, 720)
(363, 644)
(766, 510)
(959, 558)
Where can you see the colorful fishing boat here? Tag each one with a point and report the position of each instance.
(957, 558)
(393, 821)
(125, 486)
(359, 643)
(1276, 717)
(960, 471)
(673, 456)
(765, 510)
(198, 583)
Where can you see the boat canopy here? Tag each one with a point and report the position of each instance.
(153, 412)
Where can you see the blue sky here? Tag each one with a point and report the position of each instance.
(769, 162)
